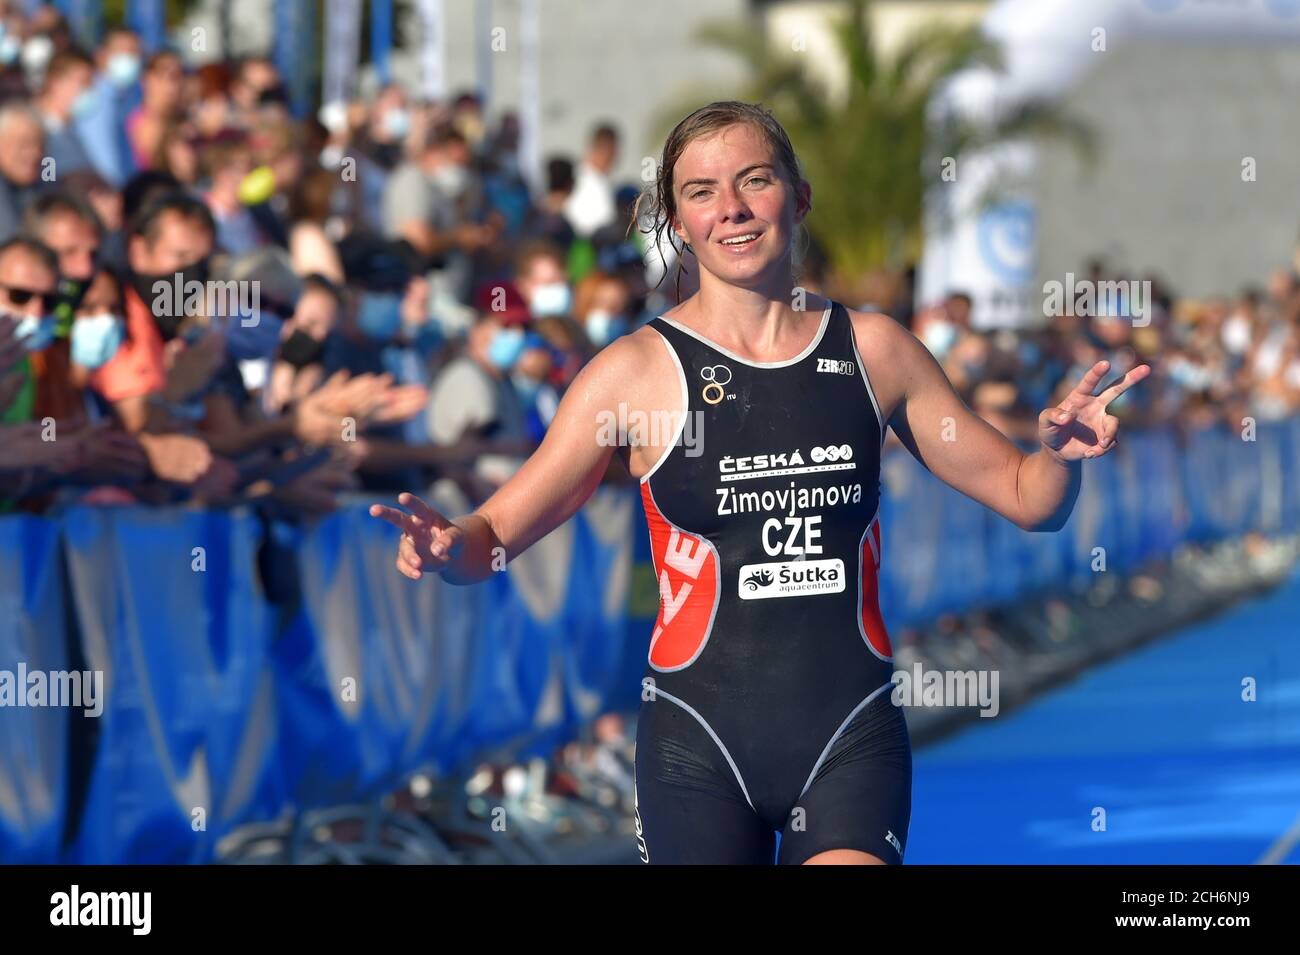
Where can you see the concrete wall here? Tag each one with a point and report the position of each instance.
(621, 60)
(1174, 124)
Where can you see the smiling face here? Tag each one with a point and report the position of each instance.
(737, 208)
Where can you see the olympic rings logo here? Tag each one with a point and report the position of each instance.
(832, 452)
(713, 392)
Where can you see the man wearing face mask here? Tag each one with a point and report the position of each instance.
(28, 272)
(379, 275)
(117, 91)
(374, 136)
(82, 454)
(474, 397)
(171, 235)
(603, 302)
(389, 125)
(28, 282)
(541, 279)
(68, 224)
(67, 94)
(435, 203)
(936, 331)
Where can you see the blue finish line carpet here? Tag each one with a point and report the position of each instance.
(1161, 740)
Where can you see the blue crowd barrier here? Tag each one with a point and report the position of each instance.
(33, 739)
(251, 669)
(169, 609)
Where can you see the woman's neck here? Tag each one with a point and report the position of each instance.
(750, 321)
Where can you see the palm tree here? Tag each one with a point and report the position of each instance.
(872, 154)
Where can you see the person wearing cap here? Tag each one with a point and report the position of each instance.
(381, 276)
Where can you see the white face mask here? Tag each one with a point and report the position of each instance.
(37, 52)
(452, 179)
(334, 116)
(604, 326)
(397, 123)
(10, 46)
(939, 337)
(553, 298)
(331, 157)
(123, 69)
(1236, 335)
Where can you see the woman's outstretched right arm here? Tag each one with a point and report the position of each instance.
(544, 493)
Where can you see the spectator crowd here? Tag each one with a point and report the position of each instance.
(375, 298)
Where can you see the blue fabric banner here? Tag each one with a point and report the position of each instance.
(148, 18)
(234, 670)
(170, 612)
(33, 733)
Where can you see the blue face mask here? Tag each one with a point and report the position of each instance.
(552, 298)
(36, 333)
(123, 69)
(250, 342)
(507, 345)
(379, 315)
(96, 339)
(85, 103)
(526, 388)
(397, 123)
(603, 327)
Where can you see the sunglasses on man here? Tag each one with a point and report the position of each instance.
(20, 296)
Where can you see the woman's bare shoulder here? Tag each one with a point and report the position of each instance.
(890, 355)
(877, 328)
(632, 366)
